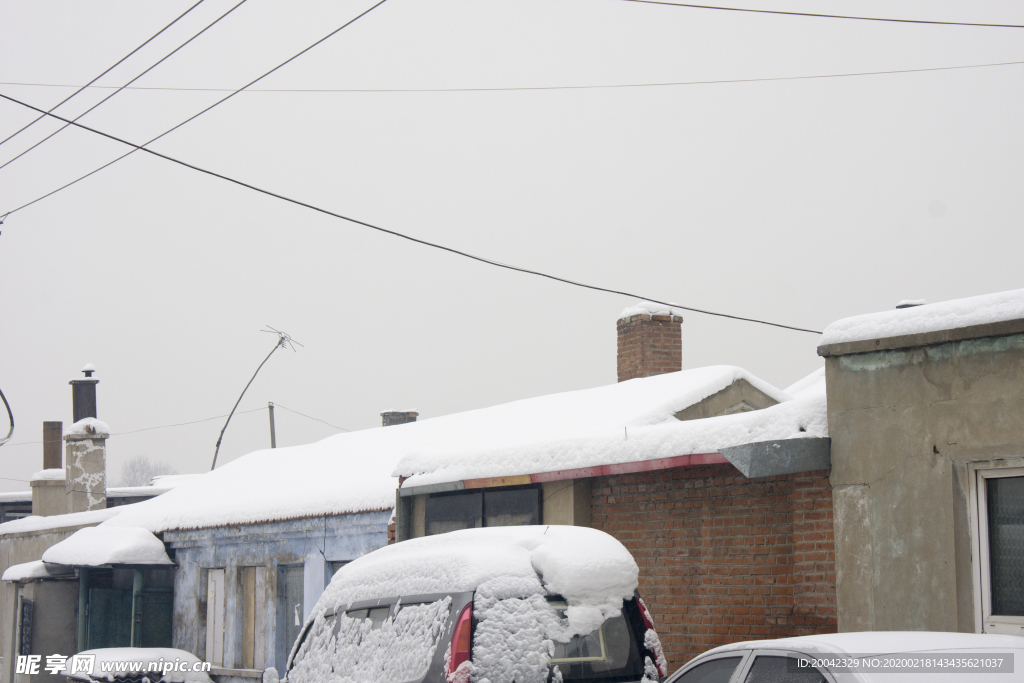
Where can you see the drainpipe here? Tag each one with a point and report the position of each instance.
(136, 608)
(83, 606)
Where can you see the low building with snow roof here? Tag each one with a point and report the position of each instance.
(926, 414)
(715, 480)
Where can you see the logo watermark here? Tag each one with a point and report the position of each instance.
(85, 664)
(910, 662)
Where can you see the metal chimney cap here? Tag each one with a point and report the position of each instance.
(89, 369)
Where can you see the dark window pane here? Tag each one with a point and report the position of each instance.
(768, 669)
(454, 512)
(1006, 544)
(715, 671)
(518, 507)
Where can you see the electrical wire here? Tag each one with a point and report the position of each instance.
(117, 63)
(278, 405)
(10, 416)
(148, 429)
(114, 94)
(552, 87)
(417, 240)
(823, 16)
(192, 118)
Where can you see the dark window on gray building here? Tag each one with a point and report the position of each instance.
(466, 510)
(1005, 498)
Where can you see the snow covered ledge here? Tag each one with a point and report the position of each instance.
(100, 546)
(989, 315)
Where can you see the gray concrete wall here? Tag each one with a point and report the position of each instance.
(905, 425)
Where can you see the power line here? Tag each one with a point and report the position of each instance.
(550, 87)
(113, 94)
(278, 405)
(823, 16)
(117, 63)
(410, 238)
(148, 429)
(191, 118)
(547, 87)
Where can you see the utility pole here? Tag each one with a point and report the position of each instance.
(273, 435)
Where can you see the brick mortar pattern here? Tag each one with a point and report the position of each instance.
(648, 346)
(723, 558)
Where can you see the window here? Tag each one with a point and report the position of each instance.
(715, 671)
(999, 549)
(780, 669)
(467, 510)
(609, 653)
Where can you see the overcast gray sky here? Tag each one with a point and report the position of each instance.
(796, 201)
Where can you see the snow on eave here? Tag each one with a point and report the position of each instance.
(252, 521)
(98, 546)
(945, 315)
(803, 417)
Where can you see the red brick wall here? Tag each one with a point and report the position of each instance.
(724, 558)
(649, 345)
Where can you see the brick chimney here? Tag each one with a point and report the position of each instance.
(650, 341)
(390, 418)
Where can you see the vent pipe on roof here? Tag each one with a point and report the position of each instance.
(83, 394)
(390, 418)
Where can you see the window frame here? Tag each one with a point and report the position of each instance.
(744, 655)
(483, 491)
(984, 620)
(744, 669)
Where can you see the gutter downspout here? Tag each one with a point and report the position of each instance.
(83, 606)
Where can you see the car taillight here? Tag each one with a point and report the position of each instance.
(648, 622)
(461, 639)
(651, 641)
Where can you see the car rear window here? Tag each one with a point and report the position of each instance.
(609, 654)
(376, 645)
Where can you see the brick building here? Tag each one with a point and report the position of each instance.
(733, 534)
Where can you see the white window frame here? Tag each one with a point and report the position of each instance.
(984, 620)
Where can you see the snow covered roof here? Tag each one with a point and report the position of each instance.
(592, 570)
(101, 545)
(27, 571)
(628, 422)
(946, 315)
(35, 524)
(355, 472)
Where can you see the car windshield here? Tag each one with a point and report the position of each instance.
(608, 654)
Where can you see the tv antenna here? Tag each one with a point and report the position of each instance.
(283, 340)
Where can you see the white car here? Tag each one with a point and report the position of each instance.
(869, 657)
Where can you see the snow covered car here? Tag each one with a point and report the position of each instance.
(866, 657)
(136, 665)
(529, 604)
